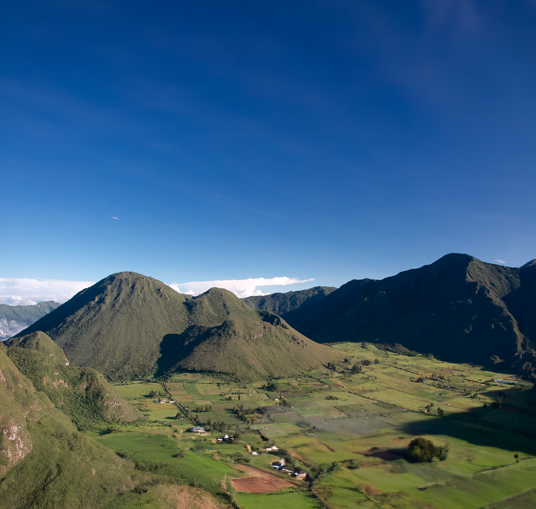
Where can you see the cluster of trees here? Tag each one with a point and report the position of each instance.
(205, 408)
(435, 376)
(157, 394)
(423, 450)
(242, 412)
(213, 424)
(396, 348)
(325, 468)
(358, 366)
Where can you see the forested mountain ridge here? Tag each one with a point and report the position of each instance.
(458, 308)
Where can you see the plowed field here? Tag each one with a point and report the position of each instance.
(259, 482)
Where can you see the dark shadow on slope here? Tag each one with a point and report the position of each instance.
(176, 347)
(508, 427)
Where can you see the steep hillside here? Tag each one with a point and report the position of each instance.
(13, 319)
(281, 303)
(45, 462)
(121, 326)
(246, 348)
(458, 308)
(81, 393)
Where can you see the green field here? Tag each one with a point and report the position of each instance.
(349, 430)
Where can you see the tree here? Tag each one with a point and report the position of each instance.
(423, 450)
(357, 368)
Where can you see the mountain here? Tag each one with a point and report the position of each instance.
(246, 348)
(458, 308)
(81, 393)
(281, 303)
(118, 325)
(45, 462)
(13, 319)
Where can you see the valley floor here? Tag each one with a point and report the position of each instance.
(349, 428)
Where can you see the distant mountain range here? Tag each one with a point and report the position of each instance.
(13, 319)
(130, 325)
(458, 308)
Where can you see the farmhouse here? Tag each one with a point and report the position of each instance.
(278, 464)
(226, 438)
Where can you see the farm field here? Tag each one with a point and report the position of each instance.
(348, 427)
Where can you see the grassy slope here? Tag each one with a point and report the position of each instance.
(455, 308)
(281, 303)
(45, 462)
(251, 349)
(82, 393)
(40, 342)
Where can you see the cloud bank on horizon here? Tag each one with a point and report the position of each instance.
(27, 292)
(240, 287)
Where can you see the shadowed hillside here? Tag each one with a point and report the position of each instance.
(117, 325)
(281, 303)
(458, 308)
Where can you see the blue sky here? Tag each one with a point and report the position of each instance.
(324, 140)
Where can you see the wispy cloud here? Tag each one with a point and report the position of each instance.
(240, 287)
(25, 292)
(116, 218)
(500, 261)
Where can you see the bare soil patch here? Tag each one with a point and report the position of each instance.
(260, 484)
(259, 481)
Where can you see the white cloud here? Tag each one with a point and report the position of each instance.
(116, 218)
(8, 328)
(25, 292)
(501, 261)
(240, 287)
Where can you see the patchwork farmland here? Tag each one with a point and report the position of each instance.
(348, 428)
